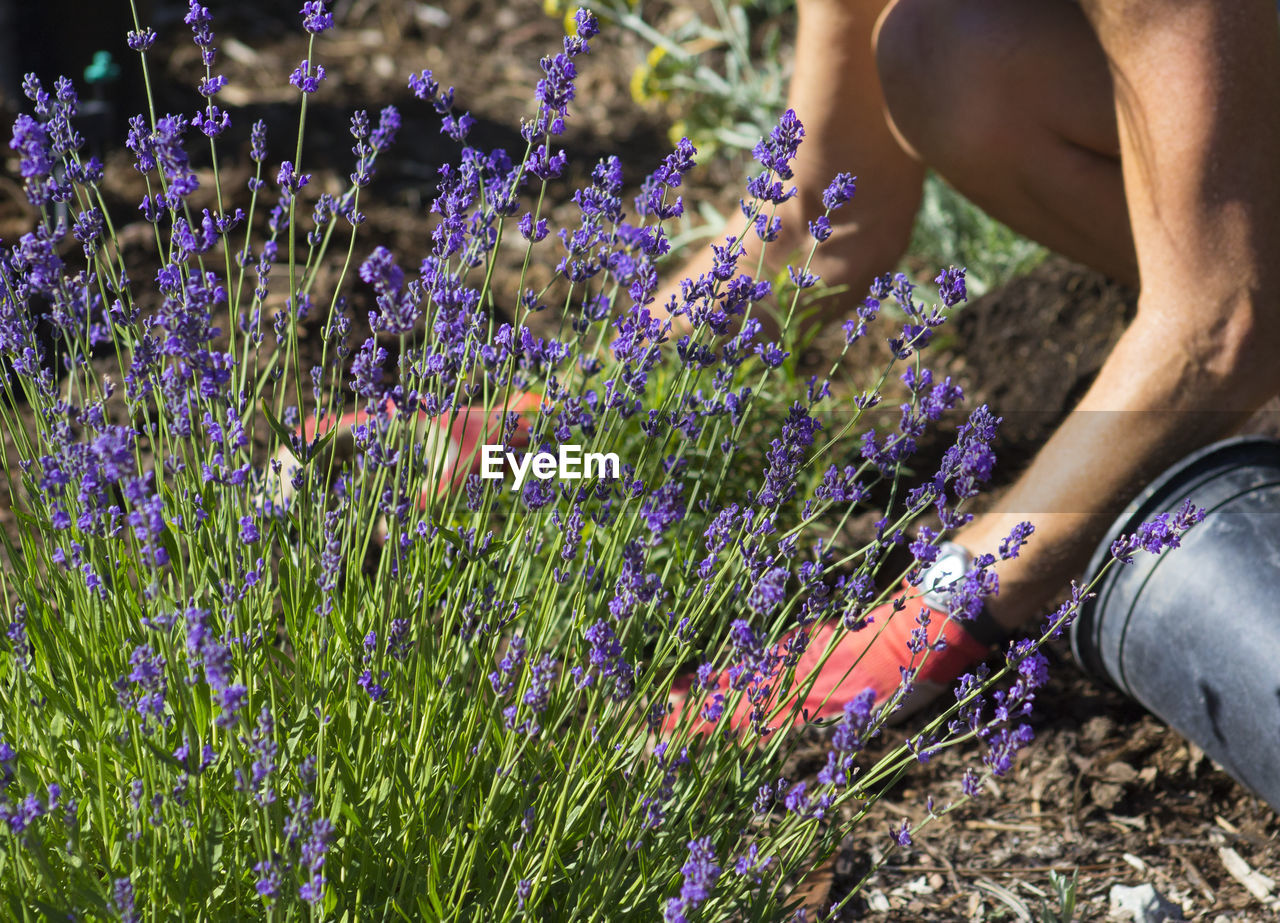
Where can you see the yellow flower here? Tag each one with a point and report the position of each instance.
(644, 84)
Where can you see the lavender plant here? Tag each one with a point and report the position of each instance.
(244, 678)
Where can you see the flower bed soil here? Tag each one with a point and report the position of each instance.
(1105, 789)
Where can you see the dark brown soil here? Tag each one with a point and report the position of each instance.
(1105, 789)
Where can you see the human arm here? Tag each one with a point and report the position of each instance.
(1198, 112)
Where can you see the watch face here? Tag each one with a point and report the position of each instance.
(949, 567)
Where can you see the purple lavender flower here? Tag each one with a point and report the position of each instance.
(776, 152)
(425, 87)
(31, 141)
(304, 79)
(122, 900)
(770, 591)
(258, 141)
(1010, 544)
(16, 632)
(379, 269)
(542, 676)
(388, 124)
(797, 800)
(503, 679)
(141, 40)
(374, 690)
(654, 806)
(785, 456)
(315, 18)
(8, 756)
(269, 880)
(751, 865)
(668, 176)
(848, 738)
(951, 287)
(200, 21)
(1162, 532)
(210, 86)
(556, 90)
(606, 656)
(586, 23)
(700, 874)
(144, 688)
(312, 858)
(801, 279)
(1032, 667)
(249, 533)
(330, 563)
(264, 751)
(839, 192)
(1003, 747)
(205, 649)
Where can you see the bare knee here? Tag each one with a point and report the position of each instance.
(966, 82)
(941, 66)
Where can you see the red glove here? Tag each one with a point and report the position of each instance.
(874, 657)
(453, 440)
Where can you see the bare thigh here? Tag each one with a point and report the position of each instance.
(1012, 102)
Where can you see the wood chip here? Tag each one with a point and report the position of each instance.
(1119, 772)
(1134, 861)
(1008, 898)
(1134, 823)
(1256, 883)
(1225, 824)
(239, 52)
(1106, 795)
(240, 96)
(1012, 869)
(1194, 875)
(1003, 826)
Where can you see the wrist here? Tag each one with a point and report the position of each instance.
(937, 581)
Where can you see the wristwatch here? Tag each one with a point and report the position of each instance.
(952, 562)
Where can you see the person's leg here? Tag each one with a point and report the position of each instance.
(835, 92)
(1012, 103)
(1009, 100)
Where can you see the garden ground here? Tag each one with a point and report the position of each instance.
(1106, 789)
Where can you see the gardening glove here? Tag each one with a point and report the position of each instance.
(876, 657)
(452, 441)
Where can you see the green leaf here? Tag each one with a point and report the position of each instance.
(314, 450)
(162, 755)
(286, 436)
(169, 543)
(28, 520)
(452, 537)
